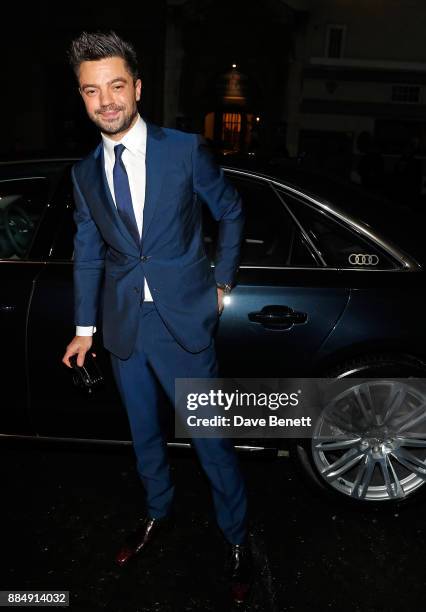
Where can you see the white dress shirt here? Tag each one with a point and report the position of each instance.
(134, 161)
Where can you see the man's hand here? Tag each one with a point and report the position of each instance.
(79, 345)
(220, 295)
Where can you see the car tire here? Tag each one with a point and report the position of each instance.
(382, 365)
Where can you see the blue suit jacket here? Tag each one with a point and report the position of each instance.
(109, 263)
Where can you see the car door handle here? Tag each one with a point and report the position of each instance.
(7, 307)
(278, 317)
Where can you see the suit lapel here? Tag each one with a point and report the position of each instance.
(99, 186)
(156, 164)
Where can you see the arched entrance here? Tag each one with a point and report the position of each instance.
(232, 124)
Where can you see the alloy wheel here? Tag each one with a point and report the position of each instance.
(370, 440)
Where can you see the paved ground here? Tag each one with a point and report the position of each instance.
(64, 512)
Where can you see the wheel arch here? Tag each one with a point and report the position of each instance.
(355, 355)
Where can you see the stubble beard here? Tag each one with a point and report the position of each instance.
(115, 128)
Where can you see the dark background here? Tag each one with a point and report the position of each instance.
(336, 86)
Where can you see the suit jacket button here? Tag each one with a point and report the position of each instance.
(144, 258)
(136, 289)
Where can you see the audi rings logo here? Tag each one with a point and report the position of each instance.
(363, 259)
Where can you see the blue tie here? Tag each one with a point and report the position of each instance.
(123, 197)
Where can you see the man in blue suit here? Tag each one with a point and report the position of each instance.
(139, 239)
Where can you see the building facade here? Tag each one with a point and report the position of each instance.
(330, 80)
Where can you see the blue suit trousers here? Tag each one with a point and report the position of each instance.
(158, 358)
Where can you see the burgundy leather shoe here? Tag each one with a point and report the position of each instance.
(240, 571)
(137, 540)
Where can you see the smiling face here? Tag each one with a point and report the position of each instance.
(110, 95)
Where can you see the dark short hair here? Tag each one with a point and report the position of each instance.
(90, 46)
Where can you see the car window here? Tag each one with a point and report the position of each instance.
(63, 241)
(337, 244)
(22, 204)
(271, 237)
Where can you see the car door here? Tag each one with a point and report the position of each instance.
(24, 202)
(58, 408)
(286, 302)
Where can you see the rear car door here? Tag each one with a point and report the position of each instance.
(287, 300)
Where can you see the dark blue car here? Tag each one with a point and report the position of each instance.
(330, 285)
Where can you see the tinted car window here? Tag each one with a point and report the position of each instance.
(338, 245)
(62, 247)
(271, 238)
(22, 204)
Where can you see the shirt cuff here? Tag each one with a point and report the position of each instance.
(85, 330)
